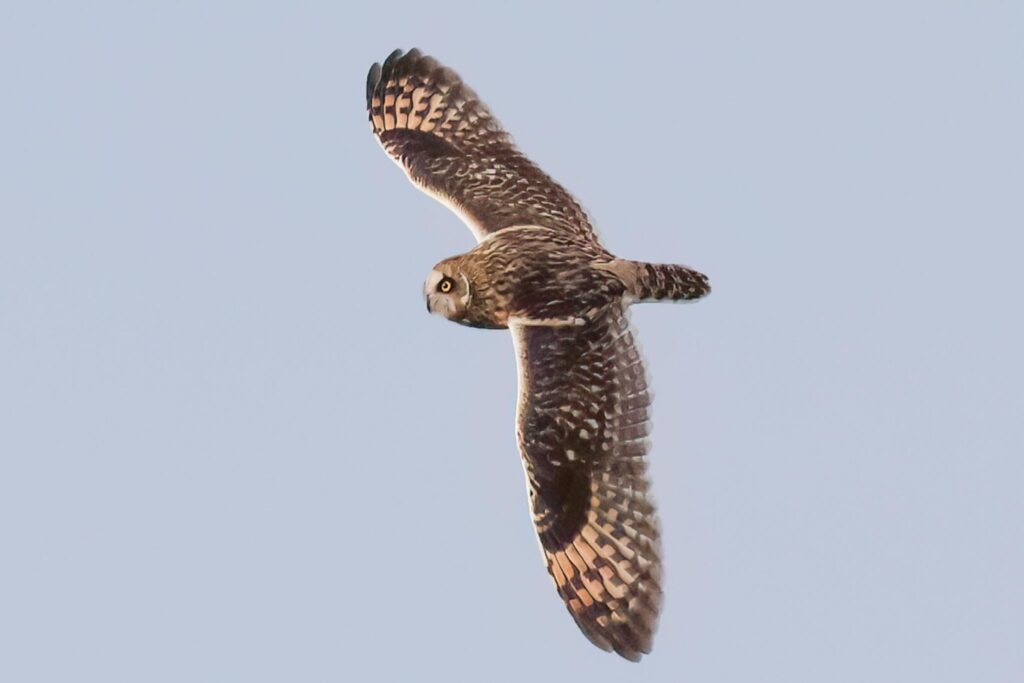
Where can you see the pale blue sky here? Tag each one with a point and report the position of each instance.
(234, 446)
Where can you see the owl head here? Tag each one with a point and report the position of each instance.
(448, 291)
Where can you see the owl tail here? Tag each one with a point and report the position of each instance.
(660, 282)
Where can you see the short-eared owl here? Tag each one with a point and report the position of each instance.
(539, 271)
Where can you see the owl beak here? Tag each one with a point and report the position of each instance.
(428, 305)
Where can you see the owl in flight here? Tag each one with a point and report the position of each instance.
(539, 271)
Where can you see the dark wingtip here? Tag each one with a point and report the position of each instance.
(383, 71)
(397, 64)
(391, 59)
(372, 79)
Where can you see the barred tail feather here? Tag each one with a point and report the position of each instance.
(658, 281)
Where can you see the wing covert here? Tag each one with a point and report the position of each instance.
(582, 423)
(452, 148)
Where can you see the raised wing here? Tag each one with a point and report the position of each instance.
(451, 147)
(582, 423)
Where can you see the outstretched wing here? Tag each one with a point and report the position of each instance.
(451, 147)
(582, 423)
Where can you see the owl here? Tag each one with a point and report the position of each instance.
(539, 271)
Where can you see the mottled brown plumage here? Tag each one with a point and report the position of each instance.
(539, 270)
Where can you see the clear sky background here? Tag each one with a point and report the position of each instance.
(234, 446)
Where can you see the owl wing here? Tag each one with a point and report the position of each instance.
(582, 423)
(435, 127)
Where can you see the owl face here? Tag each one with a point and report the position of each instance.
(448, 293)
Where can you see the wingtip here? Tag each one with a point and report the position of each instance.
(627, 645)
(632, 645)
(381, 71)
(372, 79)
(391, 59)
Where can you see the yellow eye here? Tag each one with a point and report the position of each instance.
(445, 286)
